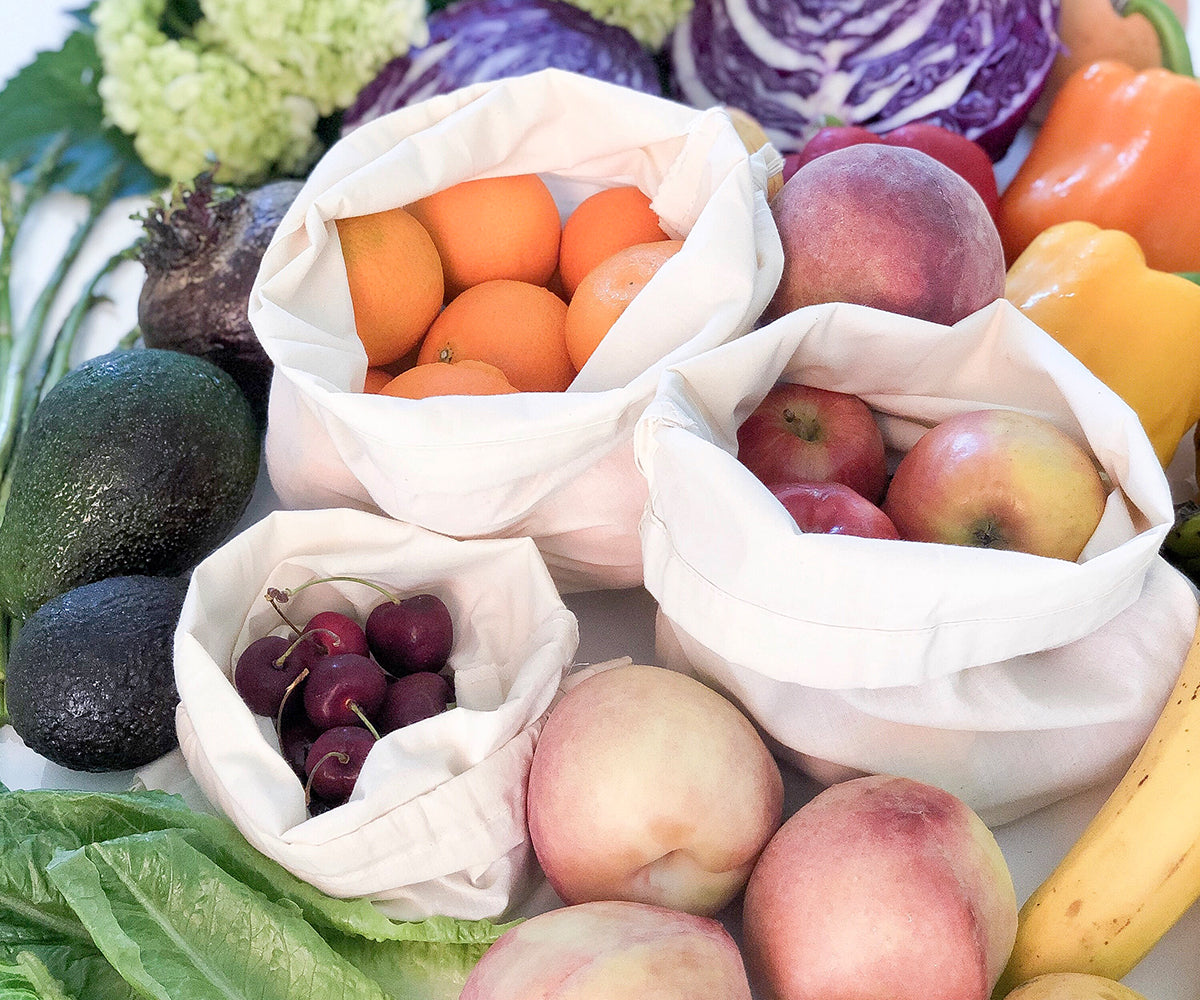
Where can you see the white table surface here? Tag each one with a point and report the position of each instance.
(1032, 845)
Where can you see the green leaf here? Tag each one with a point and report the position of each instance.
(80, 968)
(57, 93)
(174, 924)
(27, 978)
(412, 970)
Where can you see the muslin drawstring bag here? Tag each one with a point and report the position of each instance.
(556, 467)
(436, 823)
(1007, 678)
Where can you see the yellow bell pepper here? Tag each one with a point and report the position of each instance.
(1135, 328)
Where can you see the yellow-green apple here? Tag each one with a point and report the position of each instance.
(998, 479)
(806, 433)
(888, 227)
(879, 888)
(1072, 986)
(611, 950)
(647, 785)
(833, 509)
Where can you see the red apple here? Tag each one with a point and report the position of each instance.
(998, 479)
(800, 433)
(833, 509)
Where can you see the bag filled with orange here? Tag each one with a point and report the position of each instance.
(470, 302)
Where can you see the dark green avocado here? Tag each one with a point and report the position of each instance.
(138, 462)
(91, 681)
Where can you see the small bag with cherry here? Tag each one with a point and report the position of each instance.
(1007, 677)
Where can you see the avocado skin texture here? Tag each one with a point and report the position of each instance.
(138, 462)
(91, 677)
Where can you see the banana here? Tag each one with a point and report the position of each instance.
(1135, 869)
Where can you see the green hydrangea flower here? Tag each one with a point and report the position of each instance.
(246, 85)
(325, 50)
(649, 21)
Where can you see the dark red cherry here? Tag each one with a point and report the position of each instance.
(338, 633)
(412, 698)
(268, 666)
(344, 690)
(335, 760)
(413, 634)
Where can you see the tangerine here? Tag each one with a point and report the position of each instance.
(606, 291)
(493, 227)
(457, 378)
(515, 325)
(602, 224)
(395, 279)
(376, 379)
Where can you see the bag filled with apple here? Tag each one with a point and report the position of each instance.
(976, 600)
(361, 697)
(554, 464)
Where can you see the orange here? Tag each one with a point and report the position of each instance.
(376, 379)
(514, 325)
(602, 224)
(606, 291)
(395, 279)
(459, 378)
(493, 227)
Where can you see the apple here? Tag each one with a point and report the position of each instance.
(887, 227)
(833, 509)
(648, 786)
(1072, 986)
(998, 479)
(879, 888)
(612, 950)
(806, 433)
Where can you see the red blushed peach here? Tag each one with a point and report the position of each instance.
(611, 951)
(646, 785)
(880, 888)
(888, 227)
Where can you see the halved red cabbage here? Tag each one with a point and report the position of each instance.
(973, 66)
(471, 41)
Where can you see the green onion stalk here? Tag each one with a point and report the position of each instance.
(34, 357)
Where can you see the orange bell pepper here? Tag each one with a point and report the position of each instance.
(1118, 150)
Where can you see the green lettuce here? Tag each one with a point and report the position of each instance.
(134, 894)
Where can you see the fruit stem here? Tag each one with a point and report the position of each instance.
(805, 428)
(278, 662)
(342, 758)
(287, 693)
(357, 710)
(283, 596)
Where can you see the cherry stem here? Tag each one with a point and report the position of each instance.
(342, 758)
(287, 693)
(278, 662)
(276, 598)
(354, 707)
(283, 596)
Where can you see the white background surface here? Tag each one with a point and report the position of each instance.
(611, 624)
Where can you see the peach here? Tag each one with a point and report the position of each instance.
(880, 888)
(611, 951)
(646, 785)
(888, 227)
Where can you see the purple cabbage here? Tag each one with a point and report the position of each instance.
(472, 41)
(972, 66)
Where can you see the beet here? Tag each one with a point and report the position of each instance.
(201, 251)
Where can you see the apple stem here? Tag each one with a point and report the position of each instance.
(805, 428)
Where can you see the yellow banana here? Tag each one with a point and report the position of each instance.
(1135, 869)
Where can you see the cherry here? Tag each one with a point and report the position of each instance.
(412, 698)
(335, 760)
(344, 690)
(268, 666)
(412, 634)
(297, 734)
(338, 633)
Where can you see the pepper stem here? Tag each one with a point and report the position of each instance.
(1172, 38)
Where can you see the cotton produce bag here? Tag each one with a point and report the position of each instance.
(436, 823)
(1009, 679)
(556, 467)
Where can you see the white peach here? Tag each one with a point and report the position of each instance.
(880, 888)
(646, 785)
(611, 950)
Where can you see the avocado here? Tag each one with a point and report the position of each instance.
(137, 462)
(91, 681)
